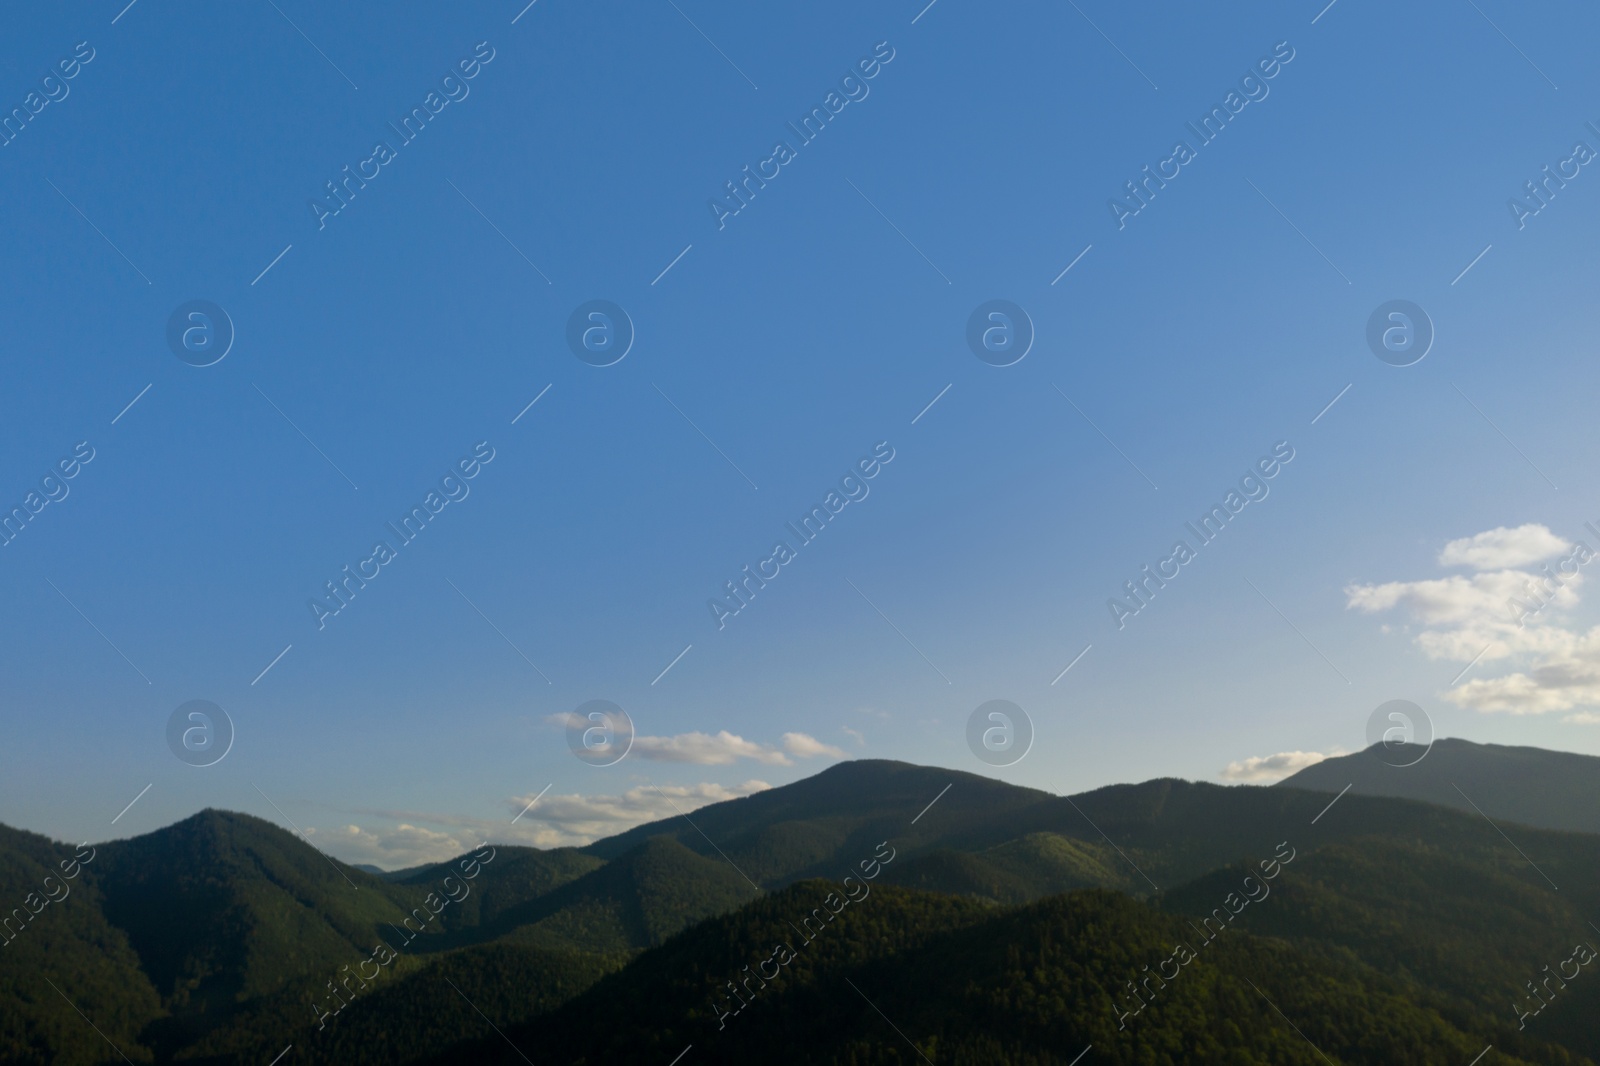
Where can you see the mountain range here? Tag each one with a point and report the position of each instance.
(877, 912)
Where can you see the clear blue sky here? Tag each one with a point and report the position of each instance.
(817, 322)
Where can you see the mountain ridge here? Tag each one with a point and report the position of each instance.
(210, 938)
(1530, 786)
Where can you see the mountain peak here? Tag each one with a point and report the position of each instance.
(1533, 786)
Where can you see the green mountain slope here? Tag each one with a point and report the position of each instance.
(520, 876)
(424, 1009)
(904, 976)
(223, 935)
(634, 901)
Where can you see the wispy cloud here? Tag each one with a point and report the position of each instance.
(557, 820)
(1258, 769)
(717, 749)
(392, 849)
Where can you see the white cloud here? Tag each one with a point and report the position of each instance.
(570, 820)
(1503, 613)
(715, 749)
(705, 749)
(393, 849)
(1263, 768)
(562, 820)
(1502, 548)
(804, 746)
(855, 735)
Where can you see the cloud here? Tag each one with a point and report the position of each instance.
(1503, 613)
(704, 749)
(555, 821)
(719, 749)
(393, 849)
(803, 746)
(856, 735)
(1264, 768)
(1553, 683)
(1502, 548)
(575, 820)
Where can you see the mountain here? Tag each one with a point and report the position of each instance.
(808, 828)
(1531, 786)
(1394, 930)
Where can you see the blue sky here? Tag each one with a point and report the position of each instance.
(579, 163)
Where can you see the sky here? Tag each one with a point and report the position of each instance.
(761, 347)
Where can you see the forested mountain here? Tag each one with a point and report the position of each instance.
(998, 925)
(908, 977)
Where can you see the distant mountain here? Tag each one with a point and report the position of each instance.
(1531, 786)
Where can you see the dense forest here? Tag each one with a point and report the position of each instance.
(1167, 922)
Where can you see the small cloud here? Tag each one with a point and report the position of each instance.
(855, 735)
(714, 749)
(574, 820)
(705, 749)
(397, 848)
(1503, 549)
(1583, 718)
(803, 746)
(554, 821)
(1265, 768)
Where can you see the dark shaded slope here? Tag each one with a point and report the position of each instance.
(902, 975)
(223, 907)
(55, 932)
(417, 1012)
